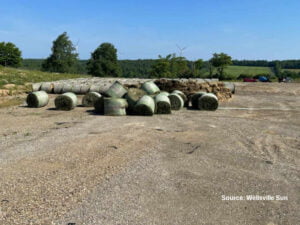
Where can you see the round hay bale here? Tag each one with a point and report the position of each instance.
(37, 99)
(67, 88)
(230, 86)
(164, 93)
(208, 101)
(116, 90)
(76, 88)
(58, 87)
(132, 96)
(150, 87)
(194, 99)
(90, 98)
(85, 89)
(36, 87)
(163, 104)
(94, 88)
(176, 101)
(183, 96)
(145, 106)
(115, 106)
(47, 87)
(99, 105)
(66, 101)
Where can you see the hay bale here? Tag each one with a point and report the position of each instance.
(115, 106)
(99, 105)
(163, 104)
(37, 99)
(145, 106)
(116, 90)
(90, 98)
(67, 88)
(150, 87)
(176, 101)
(66, 101)
(208, 101)
(183, 96)
(76, 88)
(230, 86)
(132, 96)
(85, 89)
(194, 99)
(164, 93)
(47, 87)
(94, 88)
(36, 87)
(58, 87)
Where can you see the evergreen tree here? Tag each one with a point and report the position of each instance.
(10, 55)
(104, 62)
(64, 58)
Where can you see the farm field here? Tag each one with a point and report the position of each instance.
(62, 167)
(251, 70)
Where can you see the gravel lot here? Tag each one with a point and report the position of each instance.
(76, 167)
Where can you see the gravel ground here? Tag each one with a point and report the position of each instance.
(76, 167)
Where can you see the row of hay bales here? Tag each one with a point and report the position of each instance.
(118, 100)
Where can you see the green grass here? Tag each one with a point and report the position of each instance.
(21, 77)
(251, 70)
(292, 70)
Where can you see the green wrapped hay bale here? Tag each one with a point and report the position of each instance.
(163, 104)
(208, 101)
(115, 106)
(116, 90)
(132, 96)
(164, 93)
(37, 99)
(66, 101)
(194, 99)
(176, 101)
(150, 87)
(99, 105)
(182, 95)
(90, 98)
(145, 106)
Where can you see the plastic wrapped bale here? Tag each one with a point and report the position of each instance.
(116, 90)
(115, 106)
(67, 88)
(163, 104)
(99, 105)
(76, 88)
(164, 93)
(145, 106)
(176, 101)
(37, 99)
(36, 86)
(85, 89)
(182, 95)
(132, 96)
(58, 87)
(150, 87)
(66, 101)
(94, 88)
(230, 86)
(90, 98)
(194, 99)
(47, 87)
(208, 101)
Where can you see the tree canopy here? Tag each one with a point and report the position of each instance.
(10, 55)
(220, 61)
(104, 62)
(64, 58)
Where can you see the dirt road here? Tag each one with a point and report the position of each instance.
(76, 167)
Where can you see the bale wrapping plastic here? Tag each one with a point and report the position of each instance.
(194, 100)
(132, 96)
(150, 87)
(36, 87)
(90, 98)
(164, 93)
(76, 88)
(115, 106)
(47, 87)
(182, 95)
(145, 106)
(116, 90)
(163, 104)
(230, 86)
(37, 99)
(66, 101)
(85, 89)
(58, 87)
(176, 101)
(67, 88)
(208, 101)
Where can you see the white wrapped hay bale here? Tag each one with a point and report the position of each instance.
(163, 104)
(230, 86)
(116, 90)
(115, 106)
(90, 98)
(150, 87)
(58, 87)
(164, 93)
(176, 101)
(208, 101)
(145, 106)
(47, 87)
(36, 87)
(76, 88)
(66, 101)
(67, 88)
(85, 88)
(37, 99)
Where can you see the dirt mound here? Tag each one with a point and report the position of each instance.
(191, 86)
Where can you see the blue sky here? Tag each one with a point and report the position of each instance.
(244, 29)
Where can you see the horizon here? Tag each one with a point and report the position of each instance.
(264, 30)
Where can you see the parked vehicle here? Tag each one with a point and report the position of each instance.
(248, 79)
